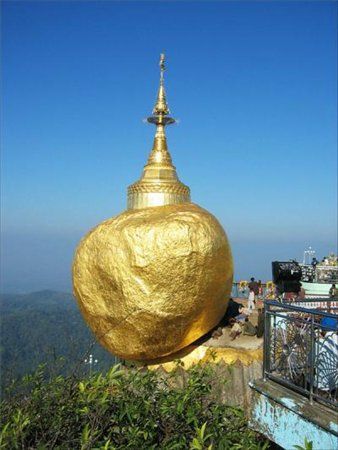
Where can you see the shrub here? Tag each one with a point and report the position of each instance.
(124, 409)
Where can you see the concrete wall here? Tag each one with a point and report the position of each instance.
(287, 418)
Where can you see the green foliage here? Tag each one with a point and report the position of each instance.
(307, 445)
(124, 409)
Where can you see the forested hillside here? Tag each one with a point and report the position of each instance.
(40, 328)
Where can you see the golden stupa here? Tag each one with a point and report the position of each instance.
(155, 278)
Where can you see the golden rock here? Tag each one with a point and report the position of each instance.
(151, 281)
(158, 276)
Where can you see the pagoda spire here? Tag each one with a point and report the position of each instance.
(160, 118)
(159, 184)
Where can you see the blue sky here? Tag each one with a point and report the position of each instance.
(254, 87)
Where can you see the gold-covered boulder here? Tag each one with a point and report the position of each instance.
(151, 281)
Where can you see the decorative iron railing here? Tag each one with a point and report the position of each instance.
(301, 349)
(329, 305)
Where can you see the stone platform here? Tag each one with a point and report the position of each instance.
(245, 349)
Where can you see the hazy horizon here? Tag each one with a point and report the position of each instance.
(253, 84)
(29, 275)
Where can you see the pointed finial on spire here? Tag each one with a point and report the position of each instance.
(161, 107)
(162, 67)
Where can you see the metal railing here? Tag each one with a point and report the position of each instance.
(301, 350)
(329, 305)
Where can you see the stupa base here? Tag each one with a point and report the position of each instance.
(245, 349)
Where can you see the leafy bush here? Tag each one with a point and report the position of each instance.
(124, 409)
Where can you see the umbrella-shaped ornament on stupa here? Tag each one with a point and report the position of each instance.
(158, 276)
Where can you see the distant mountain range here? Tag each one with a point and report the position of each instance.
(40, 328)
